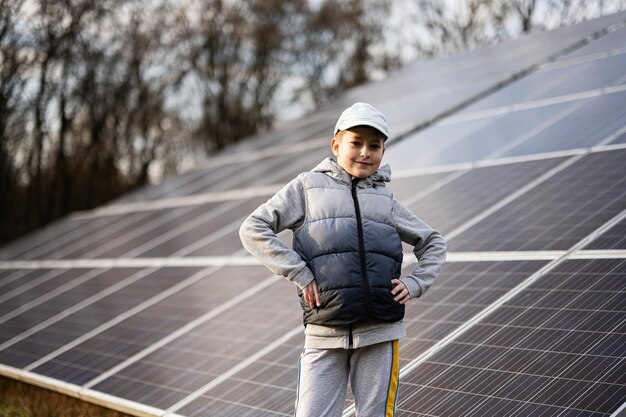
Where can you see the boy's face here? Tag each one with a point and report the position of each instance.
(359, 150)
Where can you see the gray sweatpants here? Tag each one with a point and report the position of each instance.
(371, 370)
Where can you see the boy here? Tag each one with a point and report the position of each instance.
(346, 261)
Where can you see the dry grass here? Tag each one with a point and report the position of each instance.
(18, 399)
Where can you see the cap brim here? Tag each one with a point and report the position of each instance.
(355, 123)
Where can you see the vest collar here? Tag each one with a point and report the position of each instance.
(330, 167)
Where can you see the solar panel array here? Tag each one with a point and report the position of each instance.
(516, 152)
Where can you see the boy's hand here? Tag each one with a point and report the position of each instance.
(312, 295)
(399, 291)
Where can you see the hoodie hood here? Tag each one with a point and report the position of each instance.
(330, 167)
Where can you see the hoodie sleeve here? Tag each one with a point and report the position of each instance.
(429, 247)
(258, 233)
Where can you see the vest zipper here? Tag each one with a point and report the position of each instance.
(359, 225)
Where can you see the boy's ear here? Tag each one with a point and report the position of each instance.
(334, 145)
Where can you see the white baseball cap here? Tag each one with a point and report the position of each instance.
(362, 114)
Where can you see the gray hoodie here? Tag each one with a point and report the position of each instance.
(287, 209)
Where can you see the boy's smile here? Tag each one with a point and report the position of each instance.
(359, 150)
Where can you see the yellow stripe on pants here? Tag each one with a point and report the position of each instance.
(393, 382)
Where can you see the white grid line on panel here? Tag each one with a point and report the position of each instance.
(75, 391)
(599, 254)
(455, 334)
(185, 329)
(496, 256)
(74, 308)
(123, 316)
(242, 365)
(246, 260)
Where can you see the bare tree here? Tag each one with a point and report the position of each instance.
(236, 53)
(341, 46)
(95, 118)
(449, 27)
(13, 61)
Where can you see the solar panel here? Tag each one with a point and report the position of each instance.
(557, 348)
(515, 152)
(557, 213)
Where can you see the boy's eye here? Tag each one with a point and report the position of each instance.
(355, 143)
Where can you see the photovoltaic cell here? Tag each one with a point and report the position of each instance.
(110, 231)
(595, 121)
(122, 340)
(614, 238)
(620, 139)
(496, 137)
(414, 151)
(532, 86)
(599, 73)
(211, 349)
(61, 329)
(52, 295)
(532, 356)
(225, 219)
(559, 79)
(170, 223)
(475, 191)
(613, 40)
(59, 232)
(15, 281)
(557, 213)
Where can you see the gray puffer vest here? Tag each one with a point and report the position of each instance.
(349, 241)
